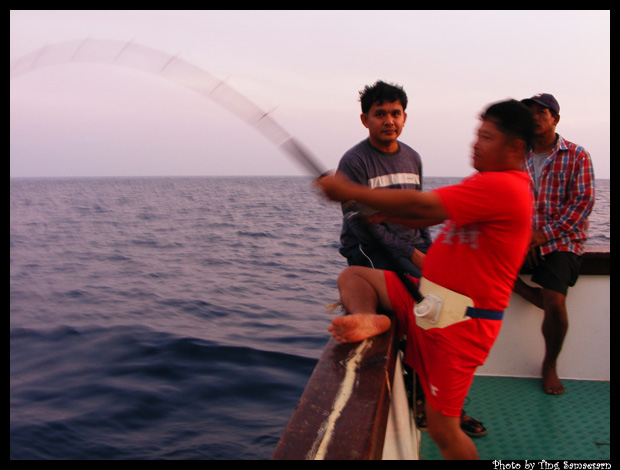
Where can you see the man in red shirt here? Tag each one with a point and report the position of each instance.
(477, 256)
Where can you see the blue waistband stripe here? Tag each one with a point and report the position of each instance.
(485, 314)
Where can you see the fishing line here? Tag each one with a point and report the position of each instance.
(172, 67)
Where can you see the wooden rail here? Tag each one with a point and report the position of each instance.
(343, 411)
(596, 260)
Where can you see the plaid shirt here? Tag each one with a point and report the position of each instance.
(565, 198)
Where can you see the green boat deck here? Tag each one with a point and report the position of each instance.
(524, 423)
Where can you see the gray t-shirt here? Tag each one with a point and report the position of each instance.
(367, 165)
(538, 160)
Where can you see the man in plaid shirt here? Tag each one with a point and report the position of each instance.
(563, 185)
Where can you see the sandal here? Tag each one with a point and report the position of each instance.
(419, 402)
(419, 415)
(415, 396)
(472, 427)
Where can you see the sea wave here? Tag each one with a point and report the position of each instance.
(131, 392)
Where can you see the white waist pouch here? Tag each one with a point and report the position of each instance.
(441, 307)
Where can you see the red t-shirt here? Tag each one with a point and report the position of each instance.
(481, 248)
(478, 254)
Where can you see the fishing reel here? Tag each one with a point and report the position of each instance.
(429, 308)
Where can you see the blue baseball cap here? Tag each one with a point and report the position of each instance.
(544, 99)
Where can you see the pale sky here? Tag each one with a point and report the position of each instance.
(307, 68)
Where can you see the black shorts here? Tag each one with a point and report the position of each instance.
(557, 271)
(376, 259)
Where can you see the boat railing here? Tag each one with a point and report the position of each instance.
(595, 261)
(343, 411)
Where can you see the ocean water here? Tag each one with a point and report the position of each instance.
(170, 318)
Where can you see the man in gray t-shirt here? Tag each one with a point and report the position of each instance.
(382, 161)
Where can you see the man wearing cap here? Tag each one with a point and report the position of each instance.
(563, 184)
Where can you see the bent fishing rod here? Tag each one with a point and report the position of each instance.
(172, 67)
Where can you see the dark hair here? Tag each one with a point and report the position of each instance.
(380, 92)
(513, 119)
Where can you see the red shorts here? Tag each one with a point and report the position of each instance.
(445, 359)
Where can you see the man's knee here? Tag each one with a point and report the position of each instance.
(554, 303)
(443, 430)
(353, 273)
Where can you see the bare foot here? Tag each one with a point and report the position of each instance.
(358, 326)
(551, 381)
